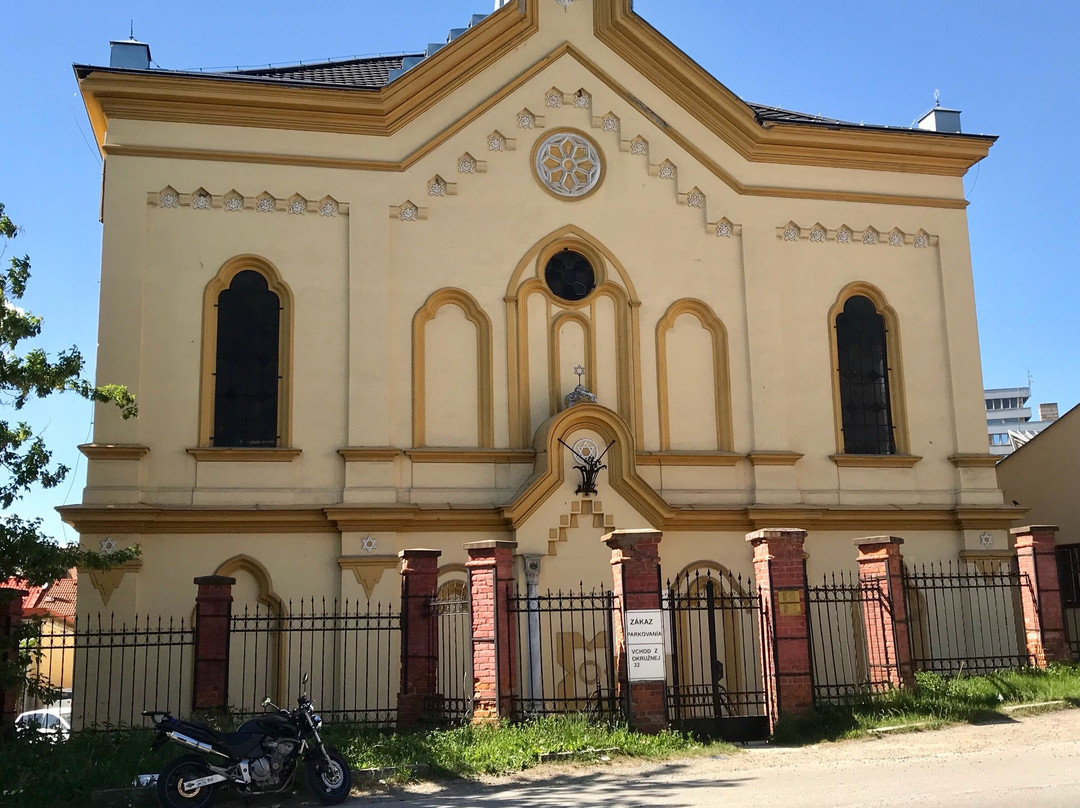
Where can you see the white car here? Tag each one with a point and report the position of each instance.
(47, 721)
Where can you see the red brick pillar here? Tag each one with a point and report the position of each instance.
(494, 635)
(888, 643)
(213, 609)
(1044, 619)
(420, 635)
(780, 569)
(11, 614)
(635, 568)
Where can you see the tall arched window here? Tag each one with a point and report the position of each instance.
(246, 370)
(863, 370)
(246, 351)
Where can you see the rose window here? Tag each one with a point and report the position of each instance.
(568, 164)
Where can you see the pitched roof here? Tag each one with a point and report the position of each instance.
(369, 72)
(57, 599)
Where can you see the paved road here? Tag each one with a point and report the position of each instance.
(1033, 761)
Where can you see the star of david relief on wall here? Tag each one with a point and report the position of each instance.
(568, 164)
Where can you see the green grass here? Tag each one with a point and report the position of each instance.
(44, 774)
(35, 773)
(938, 700)
(468, 751)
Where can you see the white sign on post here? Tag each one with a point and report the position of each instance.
(645, 645)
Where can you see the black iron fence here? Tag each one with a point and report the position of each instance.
(564, 651)
(351, 652)
(966, 617)
(717, 636)
(1068, 561)
(109, 671)
(453, 622)
(849, 619)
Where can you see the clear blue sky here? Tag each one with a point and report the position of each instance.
(1013, 69)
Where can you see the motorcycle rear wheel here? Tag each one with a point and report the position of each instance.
(178, 770)
(328, 783)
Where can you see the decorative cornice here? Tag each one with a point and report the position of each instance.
(974, 461)
(141, 519)
(235, 101)
(148, 519)
(870, 236)
(233, 201)
(225, 455)
(882, 461)
(369, 454)
(114, 451)
(732, 120)
(451, 455)
(471, 116)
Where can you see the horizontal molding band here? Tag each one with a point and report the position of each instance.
(142, 519)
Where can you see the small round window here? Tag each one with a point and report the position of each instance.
(570, 276)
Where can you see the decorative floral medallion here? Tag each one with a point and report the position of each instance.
(791, 233)
(201, 201)
(817, 235)
(466, 165)
(169, 199)
(896, 239)
(870, 236)
(265, 204)
(409, 213)
(234, 203)
(723, 229)
(328, 208)
(298, 207)
(568, 164)
(843, 235)
(921, 240)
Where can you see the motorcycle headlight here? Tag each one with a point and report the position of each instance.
(316, 720)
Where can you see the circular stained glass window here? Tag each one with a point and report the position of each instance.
(570, 276)
(568, 164)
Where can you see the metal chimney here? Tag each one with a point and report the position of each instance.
(129, 53)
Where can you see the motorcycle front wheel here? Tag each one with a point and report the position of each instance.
(170, 785)
(329, 783)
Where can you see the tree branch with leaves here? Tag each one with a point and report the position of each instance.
(26, 552)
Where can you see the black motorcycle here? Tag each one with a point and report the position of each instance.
(262, 757)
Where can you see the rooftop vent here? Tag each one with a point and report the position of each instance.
(940, 119)
(129, 53)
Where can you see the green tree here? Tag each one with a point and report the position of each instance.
(25, 374)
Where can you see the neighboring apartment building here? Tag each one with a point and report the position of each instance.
(353, 298)
(1008, 418)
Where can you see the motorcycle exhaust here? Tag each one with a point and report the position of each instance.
(191, 743)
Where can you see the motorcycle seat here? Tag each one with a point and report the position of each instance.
(236, 744)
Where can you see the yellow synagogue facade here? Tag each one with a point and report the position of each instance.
(384, 304)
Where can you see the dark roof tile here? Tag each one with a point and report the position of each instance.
(370, 72)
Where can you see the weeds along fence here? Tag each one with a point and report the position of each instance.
(108, 671)
(350, 651)
(966, 617)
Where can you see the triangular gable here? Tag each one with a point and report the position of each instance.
(233, 100)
